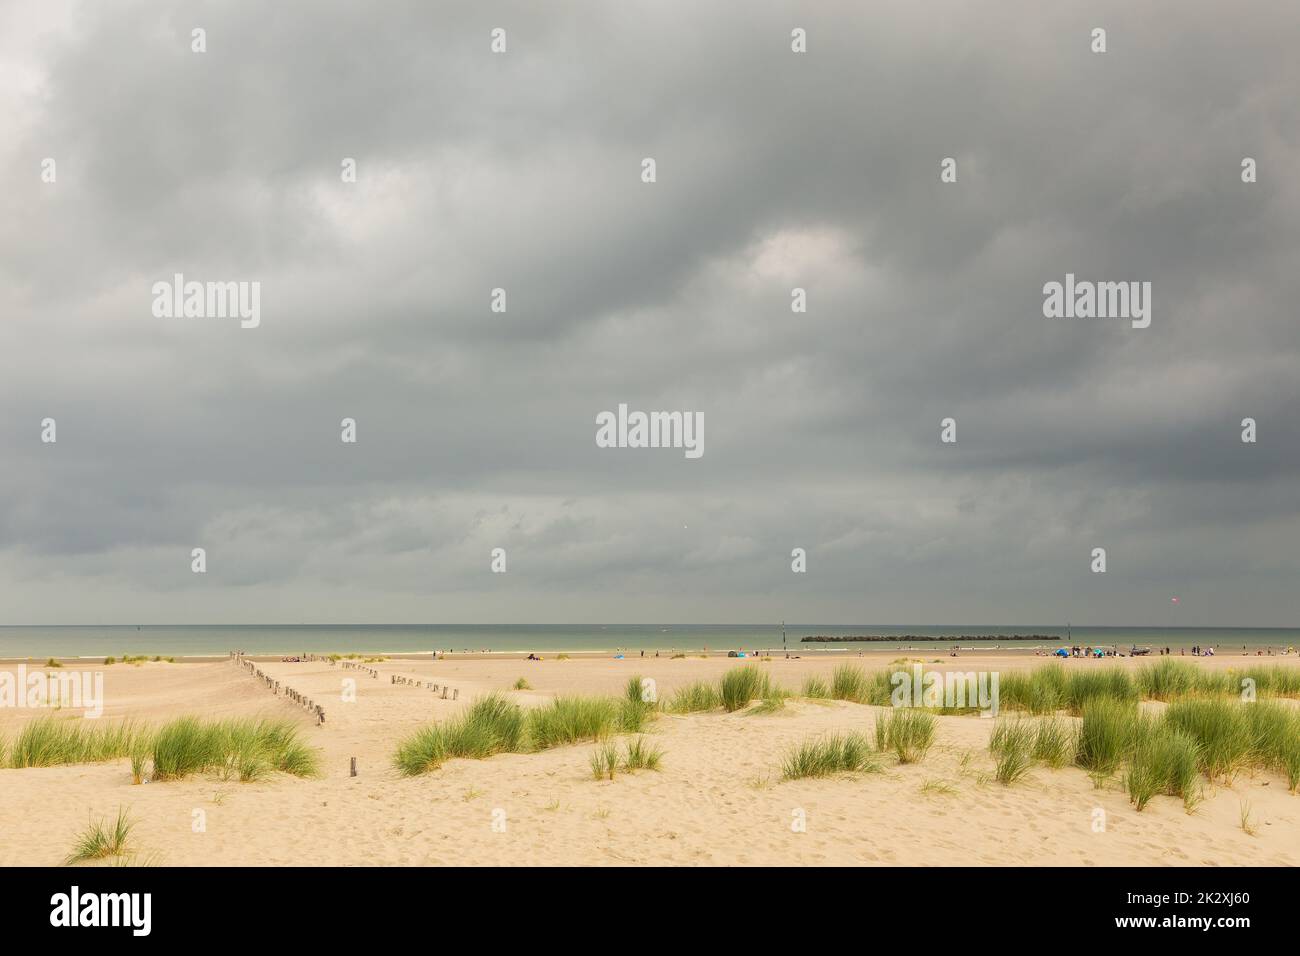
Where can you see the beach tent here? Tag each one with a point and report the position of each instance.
(1061, 652)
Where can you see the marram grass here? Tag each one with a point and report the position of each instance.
(1017, 743)
(243, 748)
(1053, 742)
(1011, 744)
(850, 683)
(102, 839)
(1223, 731)
(491, 725)
(1053, 687)
(1105, 736)
(642, 755)
(773, 702)
(1276, 733)
(634, 691)
(1040, 691)
(184, 747)
(1168, 679)
(604, 760)
(636, 706)
(139, 756)
(907, 731)
(1195, 736)
(815, 688)
(573, 719)
(1164, 760)
(695, 698)
(495, 724)
(829, 755)
(741, 686)
(50, 741)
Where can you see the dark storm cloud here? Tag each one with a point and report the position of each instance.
(775, 170)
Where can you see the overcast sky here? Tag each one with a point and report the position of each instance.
(775, 170)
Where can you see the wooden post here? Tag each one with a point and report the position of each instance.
(354, 766)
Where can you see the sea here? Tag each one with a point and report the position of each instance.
(193, 641)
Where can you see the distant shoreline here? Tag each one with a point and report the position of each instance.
(585, 653)
(212, 642)
(912, 638)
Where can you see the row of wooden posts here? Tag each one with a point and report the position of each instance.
(302, 700)
(352, 666)
(399, 679)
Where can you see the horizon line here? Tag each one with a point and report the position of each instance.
(787, 625)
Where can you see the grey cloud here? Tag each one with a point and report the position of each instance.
(775, 170)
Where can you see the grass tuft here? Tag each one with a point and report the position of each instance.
(1247, 821)
(815, 687)
(940, 788)
(50, 741)
(246, 748)
(1053, 742)
(604, 760)
(1275, 733)
(572, 719)
(906, 731)
(1012, 744)
(490, 725)
(1164, 760)
(1105, 735)
(825, 756)
(741, 686)
(642, 755)
(1167, 679)
(694, 699)
(102, 839)
(1223, 731)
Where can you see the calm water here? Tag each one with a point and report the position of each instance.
(176, 641)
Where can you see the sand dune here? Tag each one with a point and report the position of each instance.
(717, 800)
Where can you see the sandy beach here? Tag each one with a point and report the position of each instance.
(718, 799)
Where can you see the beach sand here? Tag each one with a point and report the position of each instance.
(718, 799)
